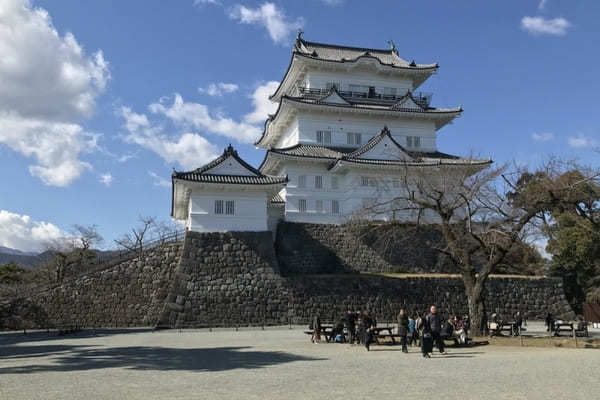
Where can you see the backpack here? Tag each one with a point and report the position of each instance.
(339, 338)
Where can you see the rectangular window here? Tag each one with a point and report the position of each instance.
(319, 206)
(218, 206)
(334, 182)
(413, 141)
(229, 207)
(302, 205)
(302, 181)
(364, 181)
(324, 137)
(335, 207)
(416, 141)
(318, 182)
(353, 138)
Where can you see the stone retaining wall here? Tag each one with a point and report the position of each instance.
(229, 279)
(128, 294)
(320, 248)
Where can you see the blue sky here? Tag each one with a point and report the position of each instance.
(99, 100)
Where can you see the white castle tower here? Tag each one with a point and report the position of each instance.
(349, 120)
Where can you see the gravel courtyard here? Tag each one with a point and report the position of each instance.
(278, 364)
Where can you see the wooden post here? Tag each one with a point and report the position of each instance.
(575, 335)
(520, 335)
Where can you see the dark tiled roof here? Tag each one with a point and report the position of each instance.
(370, 106)
(385, 132)
(277, 199)
(254, 177)
(338, 53)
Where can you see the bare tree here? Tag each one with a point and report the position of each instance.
(476, 214)
(134, 241)
(87, 236)
(163, 230)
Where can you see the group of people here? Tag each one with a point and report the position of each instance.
(424, 331)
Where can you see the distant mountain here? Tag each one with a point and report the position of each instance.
(8, 250)
(34, 260)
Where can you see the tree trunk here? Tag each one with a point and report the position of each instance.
(475, 303)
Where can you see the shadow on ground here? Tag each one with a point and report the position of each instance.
(8, 338)
(82, 358)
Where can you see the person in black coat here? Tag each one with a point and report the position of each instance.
(426, 339)
(350, 322)
(368, 325)
(434, 321)
(403, 329)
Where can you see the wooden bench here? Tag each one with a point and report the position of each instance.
(501, 327)
(582, 330)
(378, 333)
(563, 327)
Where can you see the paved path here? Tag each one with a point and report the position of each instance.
(278, 364)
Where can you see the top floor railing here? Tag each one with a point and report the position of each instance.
(422, 98)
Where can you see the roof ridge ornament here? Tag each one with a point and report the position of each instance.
(393, 46)
(413, 63)
(299, 35)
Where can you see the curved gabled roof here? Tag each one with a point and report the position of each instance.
(332, 53)
(335, 155)
(254, 177)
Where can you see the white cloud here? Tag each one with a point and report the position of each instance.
(198, 116)
(55, 145)
(270, 17)
(200, 3)
(48, 86)
(542, 137)
(581, 141)
(262, 105)
(542, 4)
(22, 233)
(545, 26)
(106, 179)
(332, 2)
(188, 150)
(159, 180)
(218, 89)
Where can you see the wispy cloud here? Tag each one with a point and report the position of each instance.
(269, 16)
(545, 26)
(333, 2)
(542, 4)
(542, 137)
(106, 179)
(159, 180)
(218, 89)
(200, 3)
(580, 141)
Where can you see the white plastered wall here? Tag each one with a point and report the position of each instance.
(250, 211)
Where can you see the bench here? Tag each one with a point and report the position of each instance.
(496, 329)
(378, 333)
(582, 330)
(563, 327)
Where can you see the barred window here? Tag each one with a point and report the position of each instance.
(364, 181)
(318, 182)
(335, 207)
(230, 207)
(353, 138)
(302, 205)
(413, 141)
(218, 206)
(324, 137)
